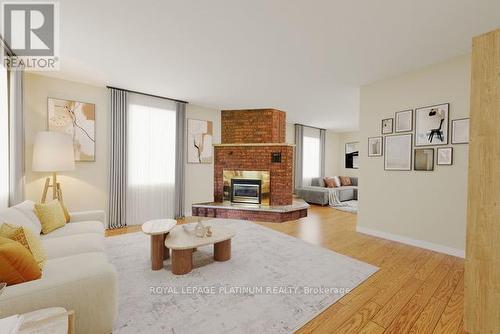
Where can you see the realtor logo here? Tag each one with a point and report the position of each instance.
(31, 31)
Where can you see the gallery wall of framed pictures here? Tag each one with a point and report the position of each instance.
(417, 139)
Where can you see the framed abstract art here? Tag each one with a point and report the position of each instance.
(200, 140)
(76, 119)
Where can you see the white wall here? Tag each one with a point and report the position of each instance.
(348, 137)
(200, 177)
(334, 158)
(290, 133)
(87, 186)
(425, 208)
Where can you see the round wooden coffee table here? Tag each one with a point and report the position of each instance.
(183, 241)
(158, 230)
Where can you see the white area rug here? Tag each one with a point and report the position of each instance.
(282, 276)
(347, 206)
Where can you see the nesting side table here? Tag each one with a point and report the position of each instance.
(158, 230)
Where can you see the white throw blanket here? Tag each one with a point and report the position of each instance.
(333, 197)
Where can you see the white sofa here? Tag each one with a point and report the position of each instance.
(77, 274)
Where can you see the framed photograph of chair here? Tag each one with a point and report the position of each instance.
(431, 125)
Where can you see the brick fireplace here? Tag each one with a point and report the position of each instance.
(252, 145)
(257, 158)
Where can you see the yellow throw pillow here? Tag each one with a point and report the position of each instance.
(17, 265)
(26, 238)
(51, 215)
(8, 230)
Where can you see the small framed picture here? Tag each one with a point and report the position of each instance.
(387, 125)
(404, 121)
(445, 156)
(424, 159)
(375, 146)
(431, 125)
(460, 131)
(397, 152)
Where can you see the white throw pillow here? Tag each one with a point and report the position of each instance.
(28, 209)
(336, 179)
(22, 214)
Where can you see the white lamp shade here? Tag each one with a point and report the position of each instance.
(53, 152)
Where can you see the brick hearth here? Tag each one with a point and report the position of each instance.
(255, 215)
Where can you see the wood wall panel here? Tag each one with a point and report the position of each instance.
(482, 266)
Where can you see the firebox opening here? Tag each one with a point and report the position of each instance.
(247, 191)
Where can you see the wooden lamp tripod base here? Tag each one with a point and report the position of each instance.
(56, 188)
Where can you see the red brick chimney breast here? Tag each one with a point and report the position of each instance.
(253, 126)
(249, 139)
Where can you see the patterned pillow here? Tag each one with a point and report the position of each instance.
(345, 181)
(332, 182)
(329, 183)
(26, 238)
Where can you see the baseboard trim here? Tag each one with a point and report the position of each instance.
(412, 242)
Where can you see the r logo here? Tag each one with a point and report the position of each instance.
(29, 28)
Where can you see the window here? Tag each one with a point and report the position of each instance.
(150, 159)
(4, 139)
(311, 159)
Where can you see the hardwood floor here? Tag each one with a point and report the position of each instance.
(415, 290)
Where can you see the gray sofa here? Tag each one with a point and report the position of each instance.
(317, 193)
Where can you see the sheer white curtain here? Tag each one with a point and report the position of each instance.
(4, 139)
(150, 159)
(311, 161)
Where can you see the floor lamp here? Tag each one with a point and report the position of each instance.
(53, 152)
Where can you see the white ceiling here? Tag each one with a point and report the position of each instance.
(307, 58)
